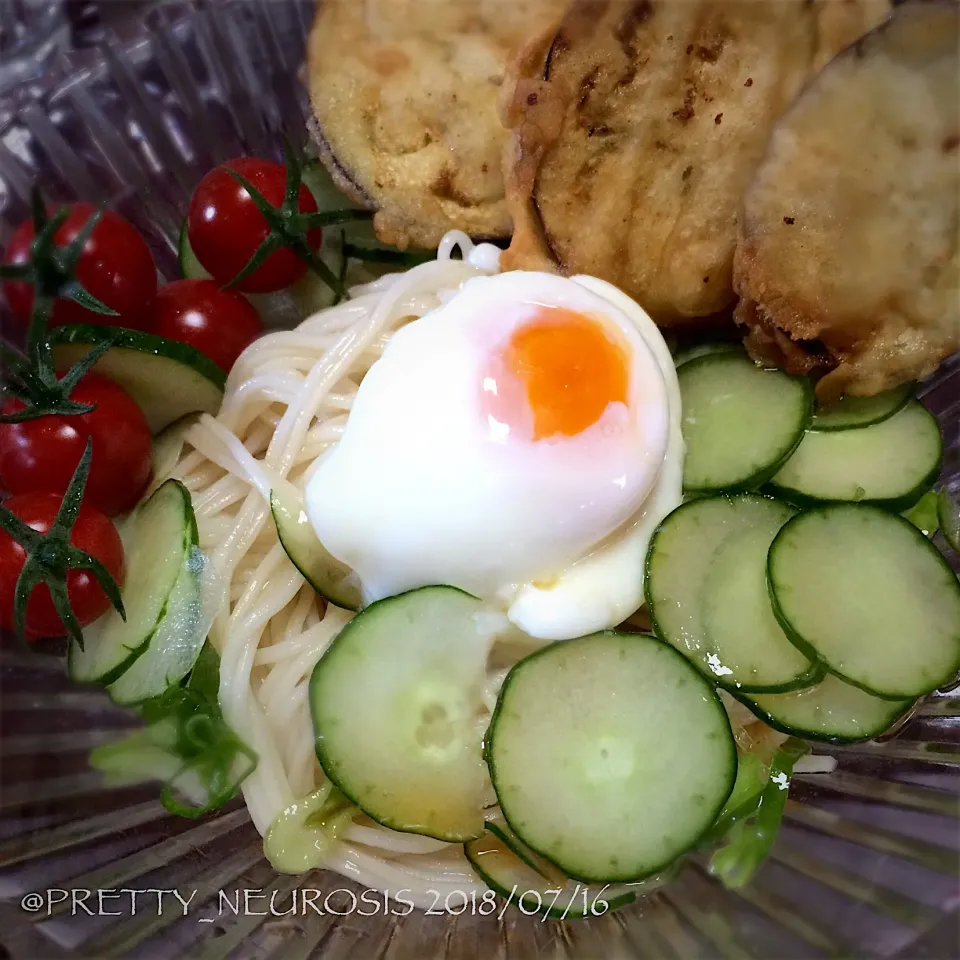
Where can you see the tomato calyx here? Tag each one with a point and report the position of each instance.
(51, 555)
(289, 227)
(51, 268)
(32, 379)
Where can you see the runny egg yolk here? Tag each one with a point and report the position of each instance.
(570, 367)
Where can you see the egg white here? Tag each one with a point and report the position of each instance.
(409, 497)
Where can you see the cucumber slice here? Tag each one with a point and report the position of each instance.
(704, 350)
(176, 644)
(833, 711)
(850, 412)
(610, 755)
(168, 379)
(157, 540)
(866, 592)
(707, 593)
(891, 463)
(328, 196)
(395, 701)
(333, 580)
(740, 422)
(510, 868)
(284, 308)
(948, 513)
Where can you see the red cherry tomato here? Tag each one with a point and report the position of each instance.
(92, 532)
(115, 267)
(225, 227)
(41, 454)
(218, 322)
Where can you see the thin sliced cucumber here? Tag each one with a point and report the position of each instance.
(704, 350)
(707, 593)
(864, 591)
(891, 463)
(167, 447)
(176, 644)
(325, 192)
(168, 379)
(333, 580)
(395, 701)
(740, 422)
(284, 308)
(850, 412)
(513, 870)
(948, 513)
(157, 540)
(832, 710)
(610, 755)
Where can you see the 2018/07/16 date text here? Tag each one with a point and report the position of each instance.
(340, 901)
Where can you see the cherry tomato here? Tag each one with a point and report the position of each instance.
(225, 227)
(115, 267)
(92, 532)
(41, 454)
(218, 322)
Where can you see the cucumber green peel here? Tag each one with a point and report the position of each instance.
(148, 343)
(168, 379)
(331, 579)
(849, 412)
(740, 422)
(513, 871)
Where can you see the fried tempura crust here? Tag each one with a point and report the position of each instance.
(849, 256)
(635, 128)
(404, 98)
(842, 22)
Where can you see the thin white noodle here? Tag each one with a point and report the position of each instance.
(287, 401)
(391, 841)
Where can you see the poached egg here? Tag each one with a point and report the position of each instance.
(520, 442)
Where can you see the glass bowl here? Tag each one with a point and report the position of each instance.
(866, 863)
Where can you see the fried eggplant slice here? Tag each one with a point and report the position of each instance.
(848, 260)
(404, 101)
(636, 127)
(842, 22)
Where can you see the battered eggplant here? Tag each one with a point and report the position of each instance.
(842, 22)
(635, 129)
(404, 100)
(848, 260)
